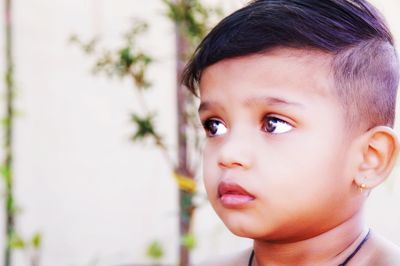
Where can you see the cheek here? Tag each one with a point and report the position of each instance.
(302, 167)
(210, 170)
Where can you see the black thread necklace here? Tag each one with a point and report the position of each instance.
(341, 264)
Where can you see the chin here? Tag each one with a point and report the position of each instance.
(248, 232)
(242, 227)
(241, 232)
(249, 229)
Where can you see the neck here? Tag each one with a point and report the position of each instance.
(331, 247)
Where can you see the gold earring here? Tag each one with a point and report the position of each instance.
(361, 187)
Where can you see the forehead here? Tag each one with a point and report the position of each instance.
(284, 74)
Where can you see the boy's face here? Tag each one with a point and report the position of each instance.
(277, 159)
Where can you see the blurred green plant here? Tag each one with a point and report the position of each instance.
(6, 168)
(192, 21)
(155, 251)
(30, 246)
(189, 241)
(13, 239)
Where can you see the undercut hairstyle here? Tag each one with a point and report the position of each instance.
(364, 65)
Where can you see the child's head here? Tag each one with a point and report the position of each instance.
(296, 97)
(364, 63)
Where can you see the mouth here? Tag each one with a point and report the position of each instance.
(232, 195)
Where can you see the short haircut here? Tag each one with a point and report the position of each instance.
(364, 66)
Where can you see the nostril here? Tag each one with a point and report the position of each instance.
(232, 164)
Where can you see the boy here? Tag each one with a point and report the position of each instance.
(297, 102)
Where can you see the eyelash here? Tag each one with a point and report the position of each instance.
(206, 124)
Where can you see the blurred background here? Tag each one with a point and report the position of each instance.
(97, 160)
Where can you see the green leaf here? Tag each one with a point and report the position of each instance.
(5, 171)
(145, 127)
(189, 241)
(155, 250)
(126, 58)
(36, 240)
(16, 242)
(6, 121)
(10, 204)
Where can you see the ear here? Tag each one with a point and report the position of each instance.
(380, 147)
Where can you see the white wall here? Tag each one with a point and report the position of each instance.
(97, 198)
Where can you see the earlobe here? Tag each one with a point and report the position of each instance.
(380, 149)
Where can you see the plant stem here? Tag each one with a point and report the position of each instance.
(8, 141)
(185, 198)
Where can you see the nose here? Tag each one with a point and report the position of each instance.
(235, 152)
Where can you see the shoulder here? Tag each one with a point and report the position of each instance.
(237, 259)
(380, 251)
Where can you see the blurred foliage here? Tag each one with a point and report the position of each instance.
(7, 123)
(17, 242)
(192, 21)
(5, 172)
(12, 238)
(192, 18)
(155, 250)
(189, 241)
(29, 246)
(36, 240)
(127, 61)
(145, 127)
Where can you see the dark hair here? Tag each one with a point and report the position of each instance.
(364, 61)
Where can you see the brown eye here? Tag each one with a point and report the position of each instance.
(214, 127)
(274, 125)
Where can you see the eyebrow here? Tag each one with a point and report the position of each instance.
(270, 101)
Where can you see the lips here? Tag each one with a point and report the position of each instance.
(232, 195)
